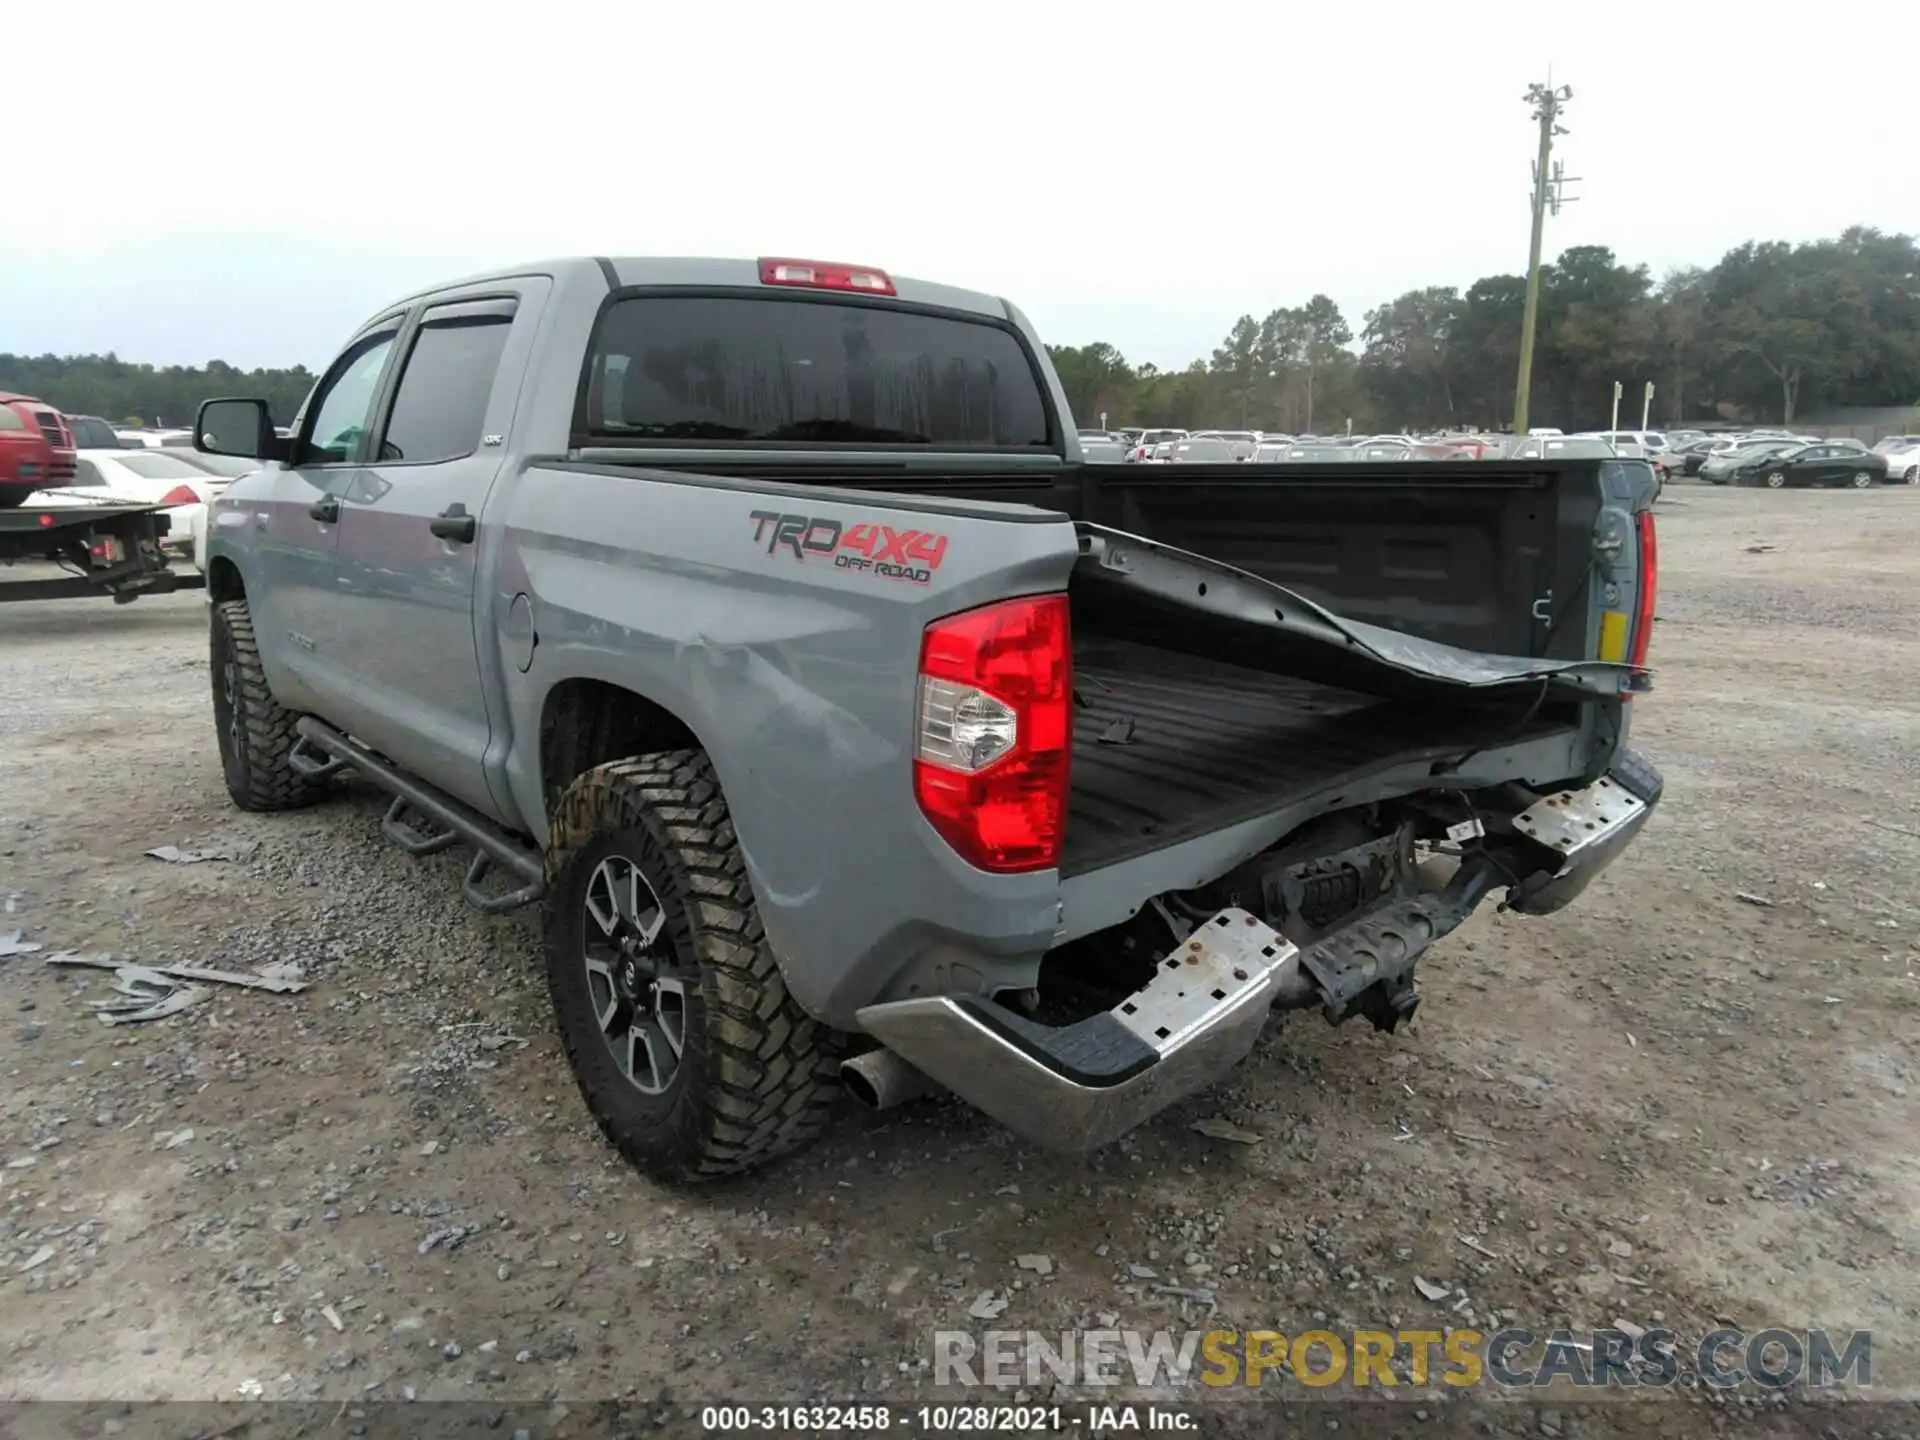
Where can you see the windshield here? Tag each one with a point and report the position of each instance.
(150, 465)
(781, 369)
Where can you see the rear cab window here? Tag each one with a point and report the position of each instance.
(785, 370)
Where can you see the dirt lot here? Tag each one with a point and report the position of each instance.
(1664, 1105)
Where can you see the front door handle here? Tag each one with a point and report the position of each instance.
(326, 509)
(455, 524)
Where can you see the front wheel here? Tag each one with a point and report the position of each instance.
(1776, 481)
(256, 734)
(691, 1054)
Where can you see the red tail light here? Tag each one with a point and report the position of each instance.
(179, 495)
(823, 275)
(995, 725)
(1649, 589)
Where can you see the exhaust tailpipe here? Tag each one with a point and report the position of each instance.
(880, 1079)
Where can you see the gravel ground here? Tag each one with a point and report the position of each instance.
(1666, 1105)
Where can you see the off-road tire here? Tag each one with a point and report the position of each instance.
(255, 732)
(758, 1076)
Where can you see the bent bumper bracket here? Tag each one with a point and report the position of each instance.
(1077, 1087)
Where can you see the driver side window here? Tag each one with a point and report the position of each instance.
(343, 406)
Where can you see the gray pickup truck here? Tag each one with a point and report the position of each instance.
(760, 621)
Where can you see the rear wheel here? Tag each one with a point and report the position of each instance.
(1862, 479)
(1913, 475)
(256, 734)
(1776, 481)
(692, 1056)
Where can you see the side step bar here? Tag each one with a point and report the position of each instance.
(324, 751)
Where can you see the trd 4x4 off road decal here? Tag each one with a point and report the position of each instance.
(909, 555)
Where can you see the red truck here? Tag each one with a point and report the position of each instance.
(36, 449)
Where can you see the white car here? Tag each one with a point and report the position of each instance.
(1649, 442)
(154, 439)
(153, 477)
(1902, 454)
(1625, 443)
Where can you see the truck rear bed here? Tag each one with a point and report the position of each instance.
(1166, 746)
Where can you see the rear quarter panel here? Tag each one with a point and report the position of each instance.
(797, 672)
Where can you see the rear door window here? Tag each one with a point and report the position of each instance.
(783, 370)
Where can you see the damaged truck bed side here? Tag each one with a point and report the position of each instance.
(760, 621)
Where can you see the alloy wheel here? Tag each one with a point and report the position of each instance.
(639, 1002)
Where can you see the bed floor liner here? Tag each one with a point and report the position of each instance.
(1166, 747)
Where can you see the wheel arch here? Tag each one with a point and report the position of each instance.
(586, 721)
(223, 581)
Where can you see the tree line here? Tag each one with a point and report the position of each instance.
(1771, 331)
(125, 393)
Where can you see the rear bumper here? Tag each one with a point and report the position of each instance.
(1077, 1087)
(1589, 829)
(1080, 1086)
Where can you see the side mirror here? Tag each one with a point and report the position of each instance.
(240, 428)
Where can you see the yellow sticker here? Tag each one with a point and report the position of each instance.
(1613, 635)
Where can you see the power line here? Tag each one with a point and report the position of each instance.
(1549, 194)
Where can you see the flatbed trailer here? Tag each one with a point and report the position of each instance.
(106, 549)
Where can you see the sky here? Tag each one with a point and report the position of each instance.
(250, 182)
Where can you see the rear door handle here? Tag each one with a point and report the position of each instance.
(455, 524)
(326, 509)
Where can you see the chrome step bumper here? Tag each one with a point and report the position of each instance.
(1077, 1087)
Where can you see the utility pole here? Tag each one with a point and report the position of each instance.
(1549, 181)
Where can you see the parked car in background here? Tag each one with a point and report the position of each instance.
(1686, 458)
(1322, 454)
(1625, 443)
(1823, 464)
(1380, 450)
(36, 449)
(1155, 444)
(1244, 442)
(1099, 447)
(1650, 442)
(1902, 454)
(153, 477)
(1206, 450)
(221, 467)
(1718, 469)
(152, 439)
(1562, 447)
(90, 432)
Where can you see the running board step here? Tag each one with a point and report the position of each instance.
(424, 821)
